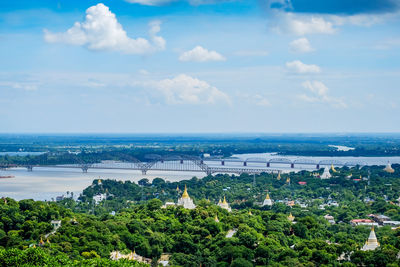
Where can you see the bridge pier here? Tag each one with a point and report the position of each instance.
(29, 168)
(181, 161)
(292, 165)
(268, 164)
(244, 163)
(222, 163)
(85, 169)
(317, 166)
(144, 172)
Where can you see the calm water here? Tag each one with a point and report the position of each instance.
(47, 183)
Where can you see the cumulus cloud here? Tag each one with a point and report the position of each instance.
(299, 67)
(184, 89)
(319, 94)
(301, 45)
(305, 25)
(200, 54)
(101, 31)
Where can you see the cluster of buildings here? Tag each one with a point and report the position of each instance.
(116, 255)
(376, 220)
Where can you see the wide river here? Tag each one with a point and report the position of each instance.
(47, 183)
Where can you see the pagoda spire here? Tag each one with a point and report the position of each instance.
(185, 193)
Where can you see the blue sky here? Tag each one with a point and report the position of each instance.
(167, 66)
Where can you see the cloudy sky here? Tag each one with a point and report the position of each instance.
(138, 66)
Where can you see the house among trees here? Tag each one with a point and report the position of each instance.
(116, 255)
(56, 224)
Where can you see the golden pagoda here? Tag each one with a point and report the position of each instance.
(279, 176)
(216, 218)
(288, 180)
(177, 188)
(185, 193)
(41, 242)
(225, 205)
(267, 201)
(48, 241)
(186, 201)
(291, 217)
(99, 181)
(250, 213)
(333, 168)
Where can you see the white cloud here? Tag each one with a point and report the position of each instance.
(301, 45)
(303, 24)
(184, 89)
(299, 67)
(200, 54)
(27, 86)
(102, 31)
(251, 53)
(312, 25)
(320, 94)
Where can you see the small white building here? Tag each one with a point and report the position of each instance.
(330, 219)
(168, 204)
(99, 198)
(56, 224)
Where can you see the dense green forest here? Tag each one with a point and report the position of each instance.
(264, 235)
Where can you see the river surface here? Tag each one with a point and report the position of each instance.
(47, 183)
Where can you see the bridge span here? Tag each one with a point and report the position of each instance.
(196, 164)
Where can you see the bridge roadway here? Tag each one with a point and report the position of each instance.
(194, 164)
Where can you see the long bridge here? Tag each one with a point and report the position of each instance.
(196, 164)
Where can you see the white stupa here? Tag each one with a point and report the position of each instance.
(372, 243)
(186, 201)
(389, 168)
(326, 174)
(224, 205)
(267, 201)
